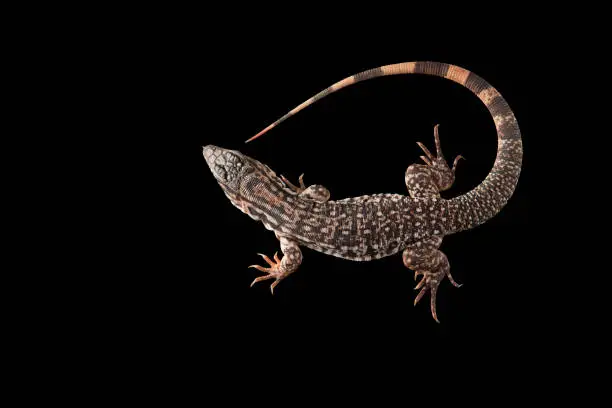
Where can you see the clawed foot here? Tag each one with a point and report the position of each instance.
(438, 162)
(293, 187)
(273, 272)
(431, 281)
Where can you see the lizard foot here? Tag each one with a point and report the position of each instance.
(275, 271)
(438, 162)
(430, 281)
(293, 187)
(314, 192)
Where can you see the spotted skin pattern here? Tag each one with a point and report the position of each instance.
(375, 226)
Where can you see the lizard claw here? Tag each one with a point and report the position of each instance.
(456, 161)
(430, 282)
(273, 272)
(431, 160)
(425, 159)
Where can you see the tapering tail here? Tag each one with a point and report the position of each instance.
(489, 197)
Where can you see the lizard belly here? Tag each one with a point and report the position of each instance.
(356, 253)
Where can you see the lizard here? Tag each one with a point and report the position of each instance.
(371, 227)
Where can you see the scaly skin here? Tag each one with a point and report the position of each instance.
(371, 227)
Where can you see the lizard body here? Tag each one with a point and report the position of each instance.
(375, 226)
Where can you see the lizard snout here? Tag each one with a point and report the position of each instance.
(210, 153)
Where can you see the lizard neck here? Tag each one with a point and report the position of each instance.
(267, 200)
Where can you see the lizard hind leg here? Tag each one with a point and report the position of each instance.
(278, 268)
(435, 176)
(427, 260)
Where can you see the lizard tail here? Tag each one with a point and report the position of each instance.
(489, 197)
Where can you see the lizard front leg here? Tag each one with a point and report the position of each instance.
(315, 192)
(424, 258)
(435, 176)
(279, 269)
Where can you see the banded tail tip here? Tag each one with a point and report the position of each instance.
(253, 138)
(259, 134)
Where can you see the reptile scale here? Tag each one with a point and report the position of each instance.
(375, 226)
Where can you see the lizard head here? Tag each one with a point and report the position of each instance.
(244, 180)
(227, 166)
(238, 175)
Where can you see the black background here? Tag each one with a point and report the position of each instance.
(187, 297)
(153, 291)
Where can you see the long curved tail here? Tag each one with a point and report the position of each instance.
(489, 197)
